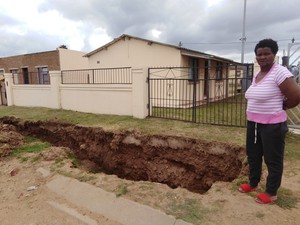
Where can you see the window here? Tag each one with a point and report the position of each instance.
(15, 75)
(193, 69)
(43, 75)
(219, 71)
(14, 71)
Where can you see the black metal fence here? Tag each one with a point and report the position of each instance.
(97, 76)
(205, 98)
(31, 78)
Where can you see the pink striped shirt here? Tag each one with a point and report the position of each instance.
(264, 99)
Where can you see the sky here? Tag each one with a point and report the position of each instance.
(210, 26)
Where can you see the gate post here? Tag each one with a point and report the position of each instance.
(55, 81)
(8, 78)
(139, 92)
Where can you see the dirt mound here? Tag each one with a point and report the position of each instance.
(9, 139)
(53, 153)
(175, 161)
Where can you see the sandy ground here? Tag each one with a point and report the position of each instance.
(25, 199)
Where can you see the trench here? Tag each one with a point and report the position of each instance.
(176, 161)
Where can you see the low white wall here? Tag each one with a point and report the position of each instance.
(100, 99)
(115, 99)
(32, 95)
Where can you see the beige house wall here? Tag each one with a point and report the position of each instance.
(100, 99)
(72, 60)
(135, 53)
(31, 95)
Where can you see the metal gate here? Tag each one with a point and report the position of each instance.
(197, 95)
(175, 94)
(294, 117)
(294, 114)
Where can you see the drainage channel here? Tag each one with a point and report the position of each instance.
(176, 161)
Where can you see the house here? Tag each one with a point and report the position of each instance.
(34, 68)
(130, 51)
(127, 76)
(205, 69)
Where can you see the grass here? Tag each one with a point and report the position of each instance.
(121, 190)
(260, 215)
(292, 144)
(32, 145)
(286, 198)
(189, 209)
(84, 178)
(81, 177)
(152, 126)
(230, 111)
(75, 162)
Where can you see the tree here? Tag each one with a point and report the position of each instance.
(63, 46)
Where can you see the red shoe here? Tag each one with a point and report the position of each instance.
(264, 198)
(246, 188)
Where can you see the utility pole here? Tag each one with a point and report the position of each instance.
(243, 38)
(289, 54)
(246, 81)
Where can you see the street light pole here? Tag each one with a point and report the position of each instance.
(243, 38)
(290, 45)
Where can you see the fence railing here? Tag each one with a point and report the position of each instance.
(31, 78)
(174, 95)
(97, 76)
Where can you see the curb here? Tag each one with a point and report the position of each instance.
(107, 204)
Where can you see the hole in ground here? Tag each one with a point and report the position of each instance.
(175, 161)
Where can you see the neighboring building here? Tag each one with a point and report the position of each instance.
(34, 68)
(205, 69)
(130, 51)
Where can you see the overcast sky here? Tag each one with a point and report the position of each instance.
(211, 26)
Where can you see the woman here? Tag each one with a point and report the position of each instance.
(273, 90)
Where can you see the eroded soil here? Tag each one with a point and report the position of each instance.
(221, 204)
(175, 161)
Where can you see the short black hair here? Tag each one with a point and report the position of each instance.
(267, 43)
